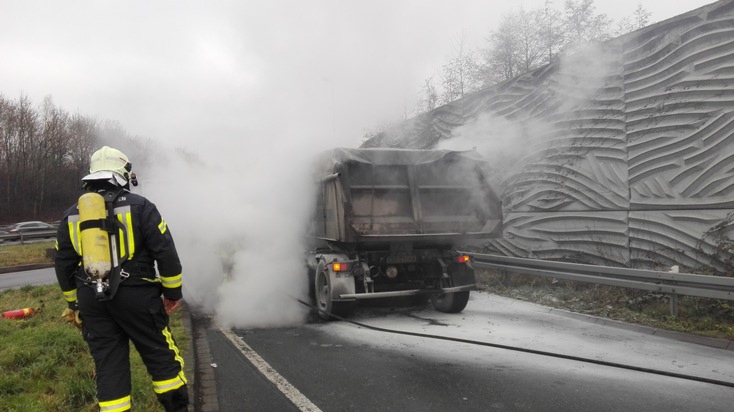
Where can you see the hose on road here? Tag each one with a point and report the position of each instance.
(532, 351)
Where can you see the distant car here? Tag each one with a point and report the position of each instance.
(25, 227)
(28, 227)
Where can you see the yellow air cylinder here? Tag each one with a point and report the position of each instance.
(95, 241)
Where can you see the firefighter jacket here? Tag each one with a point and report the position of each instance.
(147, 241)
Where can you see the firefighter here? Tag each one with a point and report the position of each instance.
(123, 304)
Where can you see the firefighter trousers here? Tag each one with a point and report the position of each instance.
(136, 314)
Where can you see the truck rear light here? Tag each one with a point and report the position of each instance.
(339, 267)
(463, 259)
(391, 272)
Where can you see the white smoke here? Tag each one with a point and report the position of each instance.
(496, 138)
(238, 218)
(578, 78)
(238, 209)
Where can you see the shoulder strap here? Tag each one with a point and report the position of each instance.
(113, 227)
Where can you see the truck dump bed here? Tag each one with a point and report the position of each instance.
(392, 195)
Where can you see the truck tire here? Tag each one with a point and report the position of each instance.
(322, 296)
(453, 302)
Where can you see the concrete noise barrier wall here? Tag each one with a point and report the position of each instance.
(620, 153)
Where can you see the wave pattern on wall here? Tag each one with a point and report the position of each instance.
(628, 147)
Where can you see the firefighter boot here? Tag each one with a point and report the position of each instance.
(176, 400)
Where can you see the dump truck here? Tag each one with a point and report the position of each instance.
(387, 222)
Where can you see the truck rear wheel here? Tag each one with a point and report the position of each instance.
(322, 295)
(453, 302)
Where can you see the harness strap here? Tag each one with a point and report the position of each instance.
(111, 225)
(107, 224)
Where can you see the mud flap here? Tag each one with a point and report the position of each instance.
(462, 275)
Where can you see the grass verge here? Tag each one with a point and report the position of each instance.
(700, 316)
(45, 364)
(31, 253)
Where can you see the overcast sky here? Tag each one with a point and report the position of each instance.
(185, 71)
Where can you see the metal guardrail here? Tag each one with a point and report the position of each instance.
(673, 284)
(23, 237)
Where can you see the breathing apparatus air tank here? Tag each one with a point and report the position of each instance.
(95, 241)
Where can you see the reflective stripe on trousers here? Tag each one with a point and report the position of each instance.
(121, 404)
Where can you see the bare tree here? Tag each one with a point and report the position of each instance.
(640, 18)
(7, 151)
(520, 44)
(53, 147)
(459, 76)
(501, 57)
(583, 24)
(528, 39)
(27, 136)
(427, 98)
(524, 41)
(20, 129)
(530, 42)
(45, 151)
(551, 32)
(84, 137)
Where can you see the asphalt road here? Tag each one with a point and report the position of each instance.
(14, 280)
(339, 366)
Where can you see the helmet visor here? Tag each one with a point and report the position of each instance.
(106, 175)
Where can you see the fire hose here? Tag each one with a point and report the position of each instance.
(526, 350)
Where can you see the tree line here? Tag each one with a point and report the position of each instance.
(44, 153)
(525, 40)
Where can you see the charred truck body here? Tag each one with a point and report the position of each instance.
(387, 222)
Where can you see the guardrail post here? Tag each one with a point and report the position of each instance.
(673, 304)
(506, 278)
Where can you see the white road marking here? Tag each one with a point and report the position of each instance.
(290, 391)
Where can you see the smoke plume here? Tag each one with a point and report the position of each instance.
(238, 218)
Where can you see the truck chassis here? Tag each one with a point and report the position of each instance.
(385, 224)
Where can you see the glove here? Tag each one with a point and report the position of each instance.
(72, 316)
(170, 305)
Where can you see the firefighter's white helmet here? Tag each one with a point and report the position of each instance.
(111, 165)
